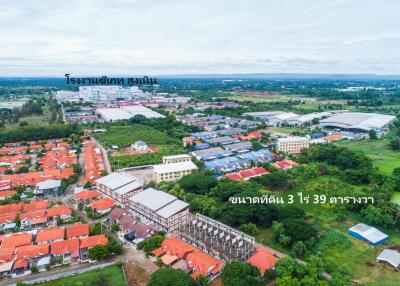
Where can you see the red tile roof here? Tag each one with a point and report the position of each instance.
(78, 229)
(102, 204)
(36, 205)
(5, 194)
(91, 241)
(285, 164)
(32, 251)
(176, 247)
(51, 233)
(87, 195)
(263, 259)
(202, 263)
(18, 239)
(65, 246)
(20, 263)
(62, 210)
(247, 174)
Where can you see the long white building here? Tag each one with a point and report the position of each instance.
(163, 209)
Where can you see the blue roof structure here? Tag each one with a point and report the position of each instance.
(236, 162)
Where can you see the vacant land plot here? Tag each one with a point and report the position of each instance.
(111, 275)
(135, 274)
(34, 120)
(383, 157)
(125, 135)
(273, 97)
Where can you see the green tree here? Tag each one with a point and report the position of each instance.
(237, 273)
(197, 183)
(99, 252)
(249, 228)
(372, 134)
(170, 277)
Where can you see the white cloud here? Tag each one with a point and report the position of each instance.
(198, 36)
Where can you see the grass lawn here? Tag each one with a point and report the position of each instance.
(383, 158)
(110, 275)
(284, 130)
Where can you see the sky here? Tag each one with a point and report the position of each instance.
(151, 37)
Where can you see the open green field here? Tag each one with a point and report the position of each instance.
(274, 97)
(283, 130)
(383, 157)
(110, 275)
(34, 120)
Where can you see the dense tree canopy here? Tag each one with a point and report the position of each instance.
(170, 277)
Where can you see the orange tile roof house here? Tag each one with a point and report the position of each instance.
(67, 250)
(36, 205)
(247, 174)
(263, 259)
(33, 219)
(16, 240)
(62, 211)
(50, 234)
(87, 196)
(203, 264)
(78, 230)
(7, 194)
(175, 247)
(88, 242)
(102, 206)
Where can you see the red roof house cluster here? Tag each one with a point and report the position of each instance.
(174, 251)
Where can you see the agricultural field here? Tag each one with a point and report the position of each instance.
(125, 135)
(383, 158)
(111, 275)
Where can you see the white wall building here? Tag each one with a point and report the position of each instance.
(172, 171)
(163, 209)
(107, 92)
(292, 144)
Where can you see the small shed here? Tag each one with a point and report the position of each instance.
(139, 146)
(390, 256)
(368, 233)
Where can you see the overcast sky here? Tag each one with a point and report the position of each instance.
(52, 37)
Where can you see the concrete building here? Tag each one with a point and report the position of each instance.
(292, 144)
(119, 186)
(163, 209)
(48, 189)
(107, 92)
(177, 158)
(172, 171)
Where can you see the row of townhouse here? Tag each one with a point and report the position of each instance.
(53, 246)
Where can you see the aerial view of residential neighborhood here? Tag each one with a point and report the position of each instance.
(140, 146)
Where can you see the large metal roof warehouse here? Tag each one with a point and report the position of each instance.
(358, 121)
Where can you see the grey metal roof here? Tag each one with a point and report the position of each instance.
(358, 120)
(129, 187)
(160, 202)
(116, 180)
(390, 256)
(172, 208)
(48, 184)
